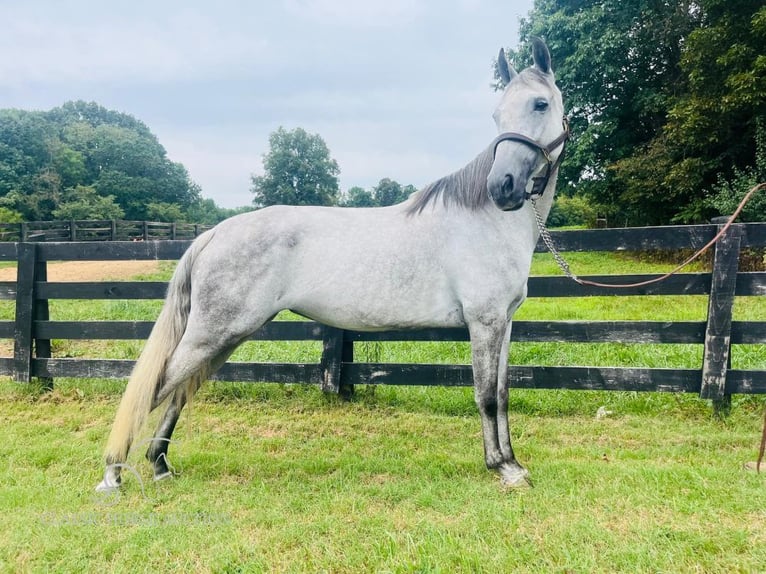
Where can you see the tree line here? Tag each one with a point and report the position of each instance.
(83, 161)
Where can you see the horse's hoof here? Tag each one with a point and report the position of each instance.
(514, 476)
(163, 476)
(108, 485)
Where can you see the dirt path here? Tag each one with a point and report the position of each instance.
(90, 270)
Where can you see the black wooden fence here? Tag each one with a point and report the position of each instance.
(33, 329)
(99, 230)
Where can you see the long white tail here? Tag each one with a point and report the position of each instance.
(149, 371)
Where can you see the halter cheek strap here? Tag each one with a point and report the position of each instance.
(539, 182)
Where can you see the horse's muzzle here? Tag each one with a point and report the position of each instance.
(507, 194)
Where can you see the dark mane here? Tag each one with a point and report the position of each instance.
(465, 188)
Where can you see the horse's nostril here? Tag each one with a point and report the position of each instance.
(508, 183)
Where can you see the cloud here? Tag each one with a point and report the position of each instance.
(55, 48)
(397, 88)
(367, 14)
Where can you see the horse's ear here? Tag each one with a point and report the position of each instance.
(507, 73)
(541, 55)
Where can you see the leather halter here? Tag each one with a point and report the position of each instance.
(540, 182)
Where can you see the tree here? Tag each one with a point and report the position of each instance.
(390, 192)
(727, 193)
(84, 203)
(45, 156)
(358, 197)
(167, 212)
(10, 216)
(571, 211)
(661, 96)
(387, 192)
(298, 170)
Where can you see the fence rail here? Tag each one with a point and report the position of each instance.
(33, 329)
(99, 230)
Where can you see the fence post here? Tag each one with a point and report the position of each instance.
(113, 230)
(23, 231)
(336, 351)
(25, 298)
(146, 230)
(347, 356)
(716, 358)
(41, 312)
(72, 230)
(332, 359)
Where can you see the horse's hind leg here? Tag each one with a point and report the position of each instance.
(190, 361)
(160, 442)
(158, 447)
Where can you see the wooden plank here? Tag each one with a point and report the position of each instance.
(529, 377)
(7, 329)
(290, 331)
(104, 290)
(748, 332)
(605, 379)
(456, 334)
(668, 237)
(83, 368)
(745, 382)
(6, 366)
(691, 332)
(681, 284)
(121, 368)
(25, 300)
(97, 330)
(751, 284)
(7, 290)
(127, 330)
(9, 251)
(411, 375)
(754, 235)
(720, 305)
(112, 250)
(298, 373)
(679, 332)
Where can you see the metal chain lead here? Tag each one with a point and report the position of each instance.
(548, 240)
(565, 267)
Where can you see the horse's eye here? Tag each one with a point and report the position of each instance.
(541, 105)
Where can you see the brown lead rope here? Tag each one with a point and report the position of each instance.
(548, 240)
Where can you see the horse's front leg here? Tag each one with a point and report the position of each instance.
(511, 472)
(489, 346)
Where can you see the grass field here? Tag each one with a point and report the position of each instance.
(280, 478)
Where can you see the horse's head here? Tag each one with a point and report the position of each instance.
(529, 121)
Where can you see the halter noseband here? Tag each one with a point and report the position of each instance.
(540, 182)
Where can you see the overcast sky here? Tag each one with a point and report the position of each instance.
(397, 88)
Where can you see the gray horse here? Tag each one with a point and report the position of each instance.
(456, 253)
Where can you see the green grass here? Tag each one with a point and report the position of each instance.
(280, 478)
(283, 479)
